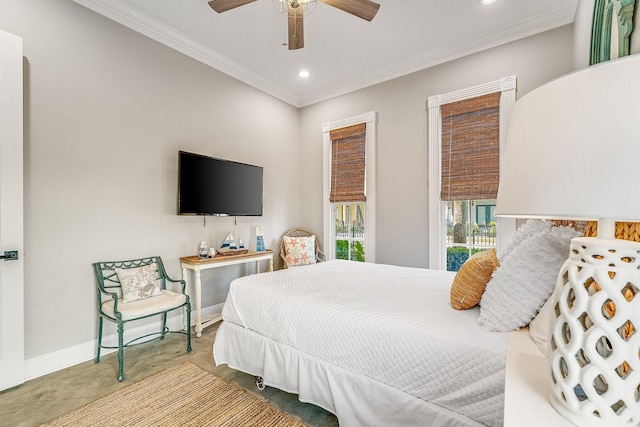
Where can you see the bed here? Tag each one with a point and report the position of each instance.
(373, 344)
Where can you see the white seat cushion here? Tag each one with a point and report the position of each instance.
(144, 307)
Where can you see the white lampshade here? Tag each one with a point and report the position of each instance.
(573, 147)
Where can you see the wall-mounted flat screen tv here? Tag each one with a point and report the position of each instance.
(212, 186)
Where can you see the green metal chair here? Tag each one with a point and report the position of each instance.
(112, 307)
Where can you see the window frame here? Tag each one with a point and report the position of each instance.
(437, 258)
(329, 232)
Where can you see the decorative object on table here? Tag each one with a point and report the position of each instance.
(212, 252)
(257, 239)
(230, 247)
(202, 250)
(572, 153)
(228, 244)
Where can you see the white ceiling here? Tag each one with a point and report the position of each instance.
(342, 53)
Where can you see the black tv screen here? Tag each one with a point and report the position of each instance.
(211, 186)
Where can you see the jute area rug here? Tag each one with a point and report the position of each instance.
(185, 395)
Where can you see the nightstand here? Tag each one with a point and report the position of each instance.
(527, 388)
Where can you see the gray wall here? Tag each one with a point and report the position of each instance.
(582, 34)
(402, 205)
(106, 111)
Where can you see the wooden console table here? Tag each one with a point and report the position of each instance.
(198, 264)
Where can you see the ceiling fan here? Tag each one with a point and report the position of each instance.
(295, 10)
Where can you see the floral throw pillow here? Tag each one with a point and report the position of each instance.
(138, 283)
(300, 250)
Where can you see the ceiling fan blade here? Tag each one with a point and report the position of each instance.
(296, 29)
(364, 9)
(224, 5)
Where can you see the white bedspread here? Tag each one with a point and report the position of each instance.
(392, 324)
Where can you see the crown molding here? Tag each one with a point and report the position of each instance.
(516, 30)
(134, 19)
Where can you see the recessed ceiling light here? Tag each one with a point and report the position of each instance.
(303, 74)
(484, 2)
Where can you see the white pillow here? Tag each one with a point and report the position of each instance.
(524, 280)
(526, 230)
(541, 326)
(138, 283)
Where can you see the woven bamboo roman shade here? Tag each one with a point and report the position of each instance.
(348, 164)
(471, 148)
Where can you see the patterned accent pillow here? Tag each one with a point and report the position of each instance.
(138, 283)
(471, 281)
(300, 250)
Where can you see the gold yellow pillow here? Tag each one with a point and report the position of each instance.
(471, 281)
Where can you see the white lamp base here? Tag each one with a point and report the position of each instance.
(595, 362)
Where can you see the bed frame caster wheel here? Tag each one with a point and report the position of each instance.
(260, 383)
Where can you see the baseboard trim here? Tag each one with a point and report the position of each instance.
(71, 356)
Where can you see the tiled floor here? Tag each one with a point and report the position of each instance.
(45, 398)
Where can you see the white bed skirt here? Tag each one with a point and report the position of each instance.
(355, 399)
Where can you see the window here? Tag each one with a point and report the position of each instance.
(470, 170)
(349, 219)
(467, 131)
(471, 227)
(349, 231)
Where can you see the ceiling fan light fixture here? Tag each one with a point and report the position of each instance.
(486, 2)
(295, 7)
(296, 10)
